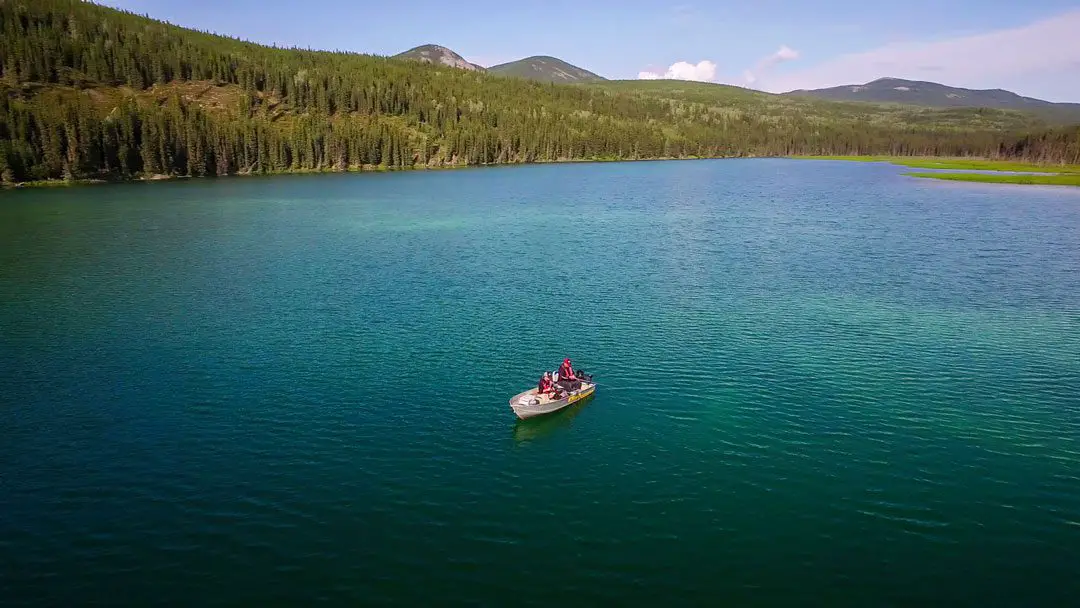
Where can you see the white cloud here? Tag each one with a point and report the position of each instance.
(1046, 51)
(784, 53)
(702, 71)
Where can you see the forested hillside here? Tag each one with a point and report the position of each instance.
(932, 94)
(91, 92)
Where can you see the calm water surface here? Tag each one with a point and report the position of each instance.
(821, 382)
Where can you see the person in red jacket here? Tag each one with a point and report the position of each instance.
(567, 379)
(545, 385)
(566, 371)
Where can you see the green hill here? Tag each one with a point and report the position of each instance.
(438, 55)
(738, 102)
(544, 69)
(90, 92)
(932, 94)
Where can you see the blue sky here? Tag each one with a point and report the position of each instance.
(1031, 47)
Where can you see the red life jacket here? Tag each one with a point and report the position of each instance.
(565, 371)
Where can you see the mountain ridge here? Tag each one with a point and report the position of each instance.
(545, 68)
(933, 94)
(539, 68)
(883, 90)
(438, 55)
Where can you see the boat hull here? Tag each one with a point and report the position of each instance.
(524, 408)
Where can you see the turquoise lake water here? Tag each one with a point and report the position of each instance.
(819, 383)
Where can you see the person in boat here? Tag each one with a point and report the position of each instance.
(566, 371)
(567, 378)
(545, 385)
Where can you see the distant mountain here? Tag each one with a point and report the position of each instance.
(914, 92)
(544, 69)
(433, 53)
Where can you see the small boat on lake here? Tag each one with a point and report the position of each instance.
(532, 403)
(546, 426)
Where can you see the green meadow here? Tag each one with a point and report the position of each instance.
(1054, 175)
(1045, 179)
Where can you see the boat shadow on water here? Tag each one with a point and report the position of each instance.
(541, 427)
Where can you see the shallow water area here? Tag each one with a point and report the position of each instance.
(817, 381)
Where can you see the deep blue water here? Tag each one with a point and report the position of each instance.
(820, 383)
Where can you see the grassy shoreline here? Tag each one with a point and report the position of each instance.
(1043, 179)
(978, 164)
(1037, 174)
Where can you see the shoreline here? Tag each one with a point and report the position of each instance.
(1041, 179)
(1064, 175)
(60, 183)
(977, 170)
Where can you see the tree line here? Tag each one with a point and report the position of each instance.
(93, 92)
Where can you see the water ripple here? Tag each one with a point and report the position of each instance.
(297, 389)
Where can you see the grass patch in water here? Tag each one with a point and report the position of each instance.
(987, 165)
(1048, 179)
(955, 163)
